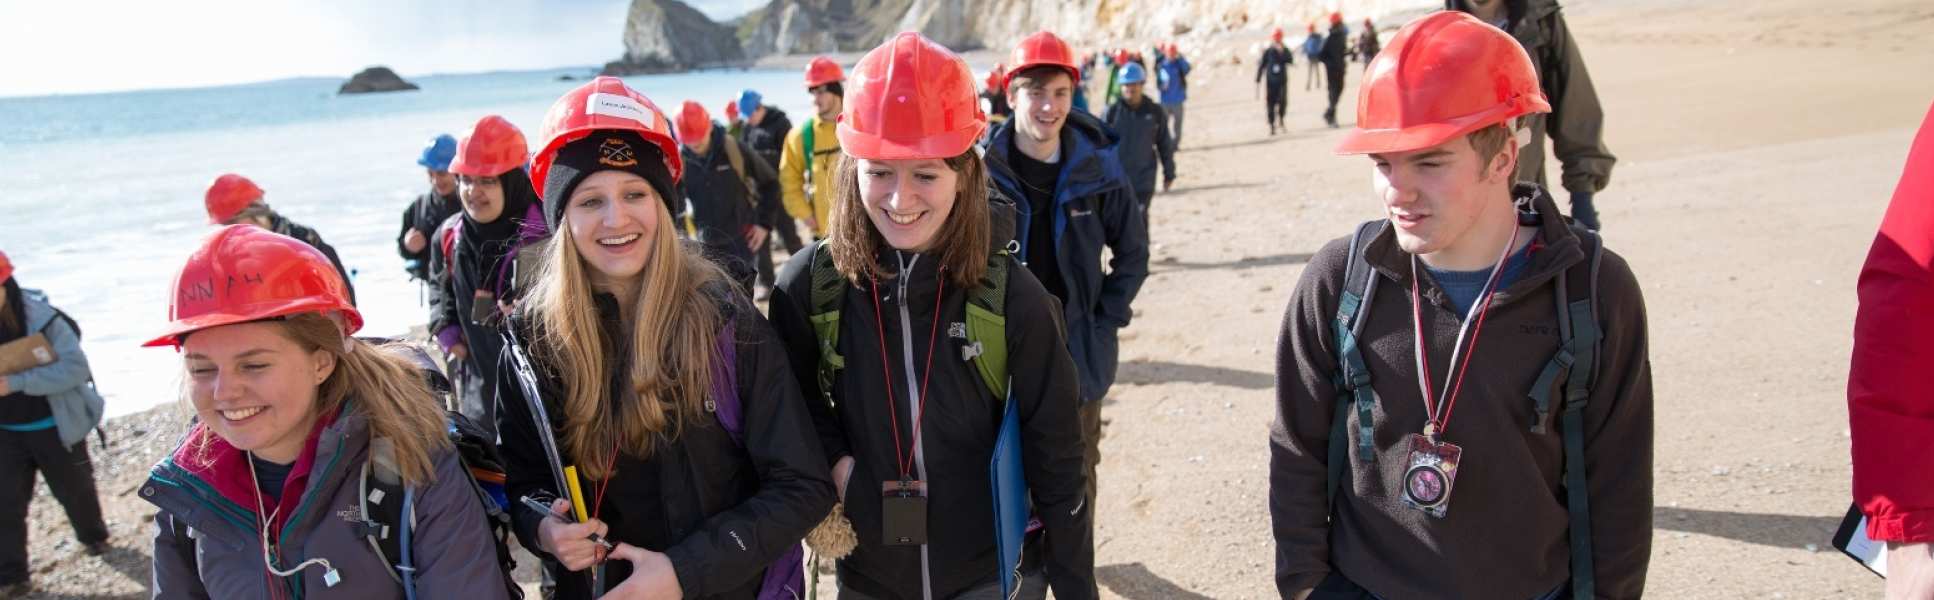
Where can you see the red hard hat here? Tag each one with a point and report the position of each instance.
(732, 110)
(997, 76)
(1043, 49)
(1122, 57)
(1335, 18)
(823, 71)
(494, 147)
(228, 196)
(1463, 75)
(911, 99)
(245, 273)
(1277, 33)
(693, 123)
(6, 268)
(604, 103)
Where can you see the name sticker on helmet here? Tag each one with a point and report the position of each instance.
(614, 105)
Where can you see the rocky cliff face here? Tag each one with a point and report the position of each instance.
(668, 35)
(814, 26)
(663, 35)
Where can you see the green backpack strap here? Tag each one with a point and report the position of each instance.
(1352, 378)
(1576, 360)
(828, 288)
(987, 325)
(808, 148)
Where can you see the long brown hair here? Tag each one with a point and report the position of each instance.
(674, 327)
(962, 243)
(389, 391)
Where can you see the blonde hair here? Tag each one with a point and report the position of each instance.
(962, 244)
(389, 389)
(671, 348)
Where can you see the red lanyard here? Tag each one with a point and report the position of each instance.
(1439, 414)
(886, 364)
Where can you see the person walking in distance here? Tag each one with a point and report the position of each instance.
(1576, 124)
(1272, 72)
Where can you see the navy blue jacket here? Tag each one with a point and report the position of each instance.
(1094, 207)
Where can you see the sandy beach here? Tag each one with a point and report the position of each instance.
(1758, 143)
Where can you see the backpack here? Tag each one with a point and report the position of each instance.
(987, 349)
(387, 525)
(1577, 358)
(785, 578)
(100, 431)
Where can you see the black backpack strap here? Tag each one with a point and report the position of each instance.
(1352, 377)
(1577, 360)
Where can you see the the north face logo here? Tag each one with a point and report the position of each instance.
(617, 153)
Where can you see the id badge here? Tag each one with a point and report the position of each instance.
(1432, 471)
(483, 307)
(903, 513)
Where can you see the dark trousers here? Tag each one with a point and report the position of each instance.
(1091, 439)
(1336, 93)
(70, 476)
(1278, 94)
(788, 239)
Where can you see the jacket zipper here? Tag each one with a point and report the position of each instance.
(913, 401)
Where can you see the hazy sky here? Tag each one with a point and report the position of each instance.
(53, 46)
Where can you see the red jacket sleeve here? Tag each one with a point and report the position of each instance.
(1890, 387)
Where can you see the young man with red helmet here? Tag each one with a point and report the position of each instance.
(1061, 169)
(727, 188)
(1542, 485)
(805, 174)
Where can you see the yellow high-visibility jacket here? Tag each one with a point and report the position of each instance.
(792, 172)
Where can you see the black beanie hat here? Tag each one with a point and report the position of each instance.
(604, 150)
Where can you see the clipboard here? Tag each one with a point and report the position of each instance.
(1851, 539)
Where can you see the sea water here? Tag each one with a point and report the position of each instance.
(101, 194)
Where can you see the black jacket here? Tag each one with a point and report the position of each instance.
(282, 225)
(1576, 123)
(481, 261)
(1145, 141)
(720, 512)
(1336, 50)
(768, 138)
(961, 419)
(1275, 63)
(424, 215)
(722, 206)
(1093, 208)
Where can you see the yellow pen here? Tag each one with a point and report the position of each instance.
(577, 493)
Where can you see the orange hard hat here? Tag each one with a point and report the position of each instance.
(1462, 75)
(821, 71)
(244, 273)
(494, 147)
(228, 196)
(693, 122)
(603, 103)
(911, 99)
(1043, 49)
(6, 268)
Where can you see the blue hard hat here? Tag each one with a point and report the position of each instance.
(748, 102)
(1133, 73)
(439, 152)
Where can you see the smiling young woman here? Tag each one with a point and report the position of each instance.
(665, 391)
(907, 409)
(289, 407)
